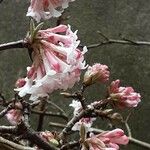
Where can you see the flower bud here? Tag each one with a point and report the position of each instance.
(96, 73)
(20, 83)
(49, 137)
(123, 96)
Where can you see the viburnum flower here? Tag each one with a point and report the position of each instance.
(46, 9)
(86, 122)
(107, 141)
(15, 115)
(123, 96)
(96, 73)
(57, 62)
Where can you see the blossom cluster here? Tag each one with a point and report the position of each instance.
(57, 64)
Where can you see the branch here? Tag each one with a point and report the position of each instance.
(28, 134)
(70, 145)
(4, 112)
(16, 44)
(41, 115)
(71, 123)
(140, 143)
(108, 41)
(58, 125)
(50, 114)
(88, 112)
(56, 106)
(11, 145)
(8, 129)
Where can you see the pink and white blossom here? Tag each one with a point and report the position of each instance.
(96, 73)
(86, 122)
(123, 96)
(108, 140)
(14, 116)
(57, 62)
(46, 9)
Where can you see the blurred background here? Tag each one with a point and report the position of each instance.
(128, 19)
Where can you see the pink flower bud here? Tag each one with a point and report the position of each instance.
(108, 140)
(20, 82)
(96, 73)
(123, 96)
(47, 136)
(15, 115)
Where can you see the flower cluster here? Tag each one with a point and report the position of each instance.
(57, 65)
(123, 96)
(56, 62)
(46, 9)
(107, 140)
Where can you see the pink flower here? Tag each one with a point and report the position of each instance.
(15, 115)
(47, 8)
(123, 96)
(107, 140)
(57, 62)
(96, 73)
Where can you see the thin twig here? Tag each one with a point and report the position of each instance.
(50, 114)
(41, 115)
(58, 125)
(11, 45)
(115, 41)
(4, 111)
(56, 106)
(28, 134)
(127, 125)
(70, 145)
(71, 123)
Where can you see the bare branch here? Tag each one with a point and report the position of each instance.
(11, 45)
(50, 114)
(41, 115)
(71, 123)
(58, 125)
(56, 106)
(108, 41)
(11, 145)
(70, 145)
